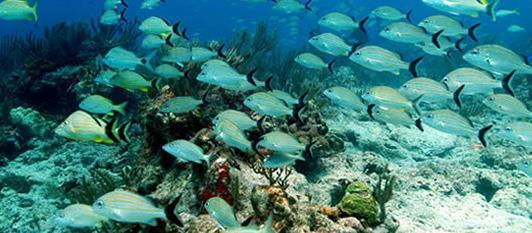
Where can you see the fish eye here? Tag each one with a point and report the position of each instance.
(426, 21)
(526, 163)
(490, 99)
(387, 29)
(367, 93)
(61, 214)
(430, 116)
(475, 51)
(508, 129)
(445, 79)
(100, 204)
(405, 86)
(357, 53)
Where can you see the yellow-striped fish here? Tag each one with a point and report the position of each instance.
(128, 207)
(18, 10)
(81, 126)
(388, 97)
(431, 90)
(344, 98)
(497, 59)
(229, 133)
(391, 13)
(131, 80)
(312, 61)
(475, 81)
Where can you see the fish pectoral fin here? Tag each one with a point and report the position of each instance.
(475, 14)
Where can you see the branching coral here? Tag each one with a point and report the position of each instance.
(384, 194)
(276, 177)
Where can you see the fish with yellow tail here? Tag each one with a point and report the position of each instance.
(128, 207)
(472, 8)
(81, 126)
(18, 10)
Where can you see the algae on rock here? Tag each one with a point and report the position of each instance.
(358, 201)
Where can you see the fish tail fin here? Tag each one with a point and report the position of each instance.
(362, 25)
(148, 59)
(268, 225)
(221, 52)
(184, 34)
(123, 15)
(255, 145)
(204, 97)
(409, 16)
(260, 124)
(122, 132)
(419, 125)
(330, 66)
(34, 8)
(307, 5)
(168, 41)
(436, 37)
(490, 9)
(124, 3)
(156, 84)
(268, 83)
(121, 108)
(297, 113)
(370, 110)
(458, 44)
(250, 78)
(482, 135)
(457, 96)
(169, 211)
(302, 99)
(416, 103)
(175, 28)
(471, 32)
(412, 67)
(506, 83)
(110, 130)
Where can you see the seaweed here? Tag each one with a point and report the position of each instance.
(384, 194)
(89, 189)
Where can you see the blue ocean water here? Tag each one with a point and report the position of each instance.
(154, 156)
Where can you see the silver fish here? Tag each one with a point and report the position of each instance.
(451, 27)
(229, 133)
(405, 33)
(79, 216)
(344, 98)
(475, 81)
(120, 58)
(390, 13)
(341, 22)
(281, 160)
(101, 105)
(519, 132)
(497, 59)
(451, 122)
(465, 7)
(242, 120)
(291, 6)
(508, 105)
(181, 104)
(390, 115)
(330, 44)
(312, 61)
(388, 97)
(431, 90)
(380, 59)
(282, 142)
(187, 151)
